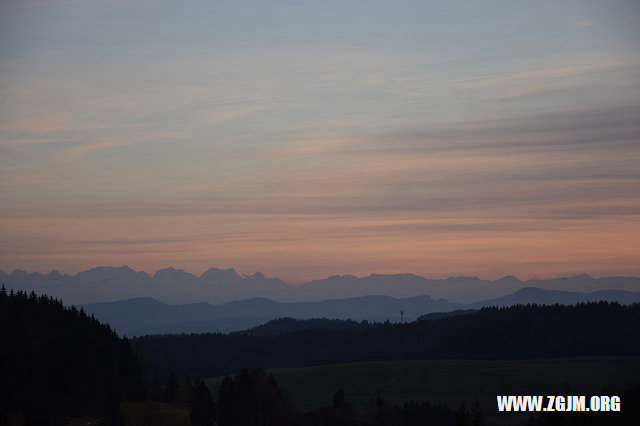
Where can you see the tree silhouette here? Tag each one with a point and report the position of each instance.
(253, 398)
(58, 362)
(477, 416)
(338, 398)
(202, 411)
(462, 417)
(171, 389)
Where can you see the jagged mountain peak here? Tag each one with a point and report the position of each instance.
(169, 269)
(509, 278)
(217, 274)
(113, 274)
(172, 273)
(54, 274)
(19, 273)
(341, 277)
(219, 285)
(124, 269)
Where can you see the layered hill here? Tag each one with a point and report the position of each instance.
(142, 316)
(517, 332)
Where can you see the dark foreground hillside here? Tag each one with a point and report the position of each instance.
(517, 332)
(58, 363)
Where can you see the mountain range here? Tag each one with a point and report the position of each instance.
(176, 286)
(142, 316)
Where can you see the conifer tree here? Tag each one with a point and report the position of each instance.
(202, 411)
(171, 389)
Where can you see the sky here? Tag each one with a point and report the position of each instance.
(306, 139)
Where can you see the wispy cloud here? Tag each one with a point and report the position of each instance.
(432, 139)
(547, 79)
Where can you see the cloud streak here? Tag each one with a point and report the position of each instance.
(437, 141)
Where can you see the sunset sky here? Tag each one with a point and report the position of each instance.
(312, 138)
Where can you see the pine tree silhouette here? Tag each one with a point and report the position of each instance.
(171, 389)
(202, 411)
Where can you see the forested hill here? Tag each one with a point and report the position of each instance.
(290, 325)
(58, 362)
(521, 331)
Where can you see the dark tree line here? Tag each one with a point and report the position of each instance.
(290, 325)
(414, 413)
(253, 398)
(522, 331)
(58, 362)
(249, 398)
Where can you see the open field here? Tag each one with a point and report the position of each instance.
(452, 381)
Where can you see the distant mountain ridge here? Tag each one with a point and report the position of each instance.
(142, 316)
(551, 297)
(176, 286)
(148, 316)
